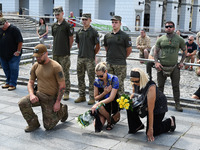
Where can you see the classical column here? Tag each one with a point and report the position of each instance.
(64, 4)
(91, 6)
(195, 16)
(172, 11)
(185, 15)
(156, 15)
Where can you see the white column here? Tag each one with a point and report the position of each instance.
(64, 4)
(172, 11)
(185, 15)
(91, 6)
(36, 7)
(195, 16)
(156, 15)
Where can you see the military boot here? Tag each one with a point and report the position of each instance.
(91, 102)
(178, 107)
(80, 99)
(32, 125)
(65, 116)
(65, 96)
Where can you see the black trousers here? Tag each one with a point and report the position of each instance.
(159, 126)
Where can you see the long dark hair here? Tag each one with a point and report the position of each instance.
(43, 21)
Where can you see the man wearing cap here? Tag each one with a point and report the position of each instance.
(118, 46)
(49, 92)
(10, 52)
(63, 39)
(87, 39)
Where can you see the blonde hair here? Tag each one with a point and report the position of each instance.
(143, 77)
(101, 67)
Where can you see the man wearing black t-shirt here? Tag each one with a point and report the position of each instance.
(10, 52)
(191, 51)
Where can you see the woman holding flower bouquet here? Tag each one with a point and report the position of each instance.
(105, 92)
(156, 103)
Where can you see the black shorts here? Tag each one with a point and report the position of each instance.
(197, 93)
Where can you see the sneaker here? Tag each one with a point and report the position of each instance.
(174, 126)
(80, 99)
(11, 88)
(65, 109)
(66, 96)
(91, 102)
(178, 107)
(34, 125)
(5, 86)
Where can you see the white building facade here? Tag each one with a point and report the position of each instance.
(136, 14)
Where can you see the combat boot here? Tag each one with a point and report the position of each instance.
(91, 102)
(66, 96)
(32, 125)
(65, 116)
(80, 99)
(178, 107)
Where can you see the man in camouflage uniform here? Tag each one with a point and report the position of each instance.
(63, 39)
(50, 89)
(118, 47)
(87, 39)
(143, 44)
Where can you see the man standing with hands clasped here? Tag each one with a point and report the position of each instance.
(87, 39)
(50, 89)
(118, 46)
(168, 66)
(62, 42)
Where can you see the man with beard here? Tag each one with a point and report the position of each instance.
(50, 89)
(169, 45)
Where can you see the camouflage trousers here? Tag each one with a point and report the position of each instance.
(65, 62)
(120, 72)
(86, 64)
(50, 118)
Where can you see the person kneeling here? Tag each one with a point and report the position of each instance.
(105, 92)
(156, 103)
(50, 89)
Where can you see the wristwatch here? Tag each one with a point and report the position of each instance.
(18, 52)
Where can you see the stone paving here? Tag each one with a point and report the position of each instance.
(70, 135)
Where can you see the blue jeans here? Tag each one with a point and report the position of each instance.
(11, 69)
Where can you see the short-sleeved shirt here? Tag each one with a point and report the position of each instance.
(143, 41)
(48, 77)
(112, 80)
(61, 34)
(191, 47)
(87, 39)
(116, 45)
(9, 40)
(169, 48)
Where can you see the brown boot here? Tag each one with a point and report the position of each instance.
(80, 99)
(65, 116)
(91, 102)
(5, 86)
(178, 107)
(65, 96)
(32, 125)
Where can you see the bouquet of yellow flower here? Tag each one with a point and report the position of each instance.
(125, 102)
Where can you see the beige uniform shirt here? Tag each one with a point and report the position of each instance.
(144, 43)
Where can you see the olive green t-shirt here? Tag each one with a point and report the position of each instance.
(116, 45)
(48, 76)
(169, 48)
(87, 39)
(61, 34)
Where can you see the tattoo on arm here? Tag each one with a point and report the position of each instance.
(60, 93)
(183, 55)
(60, 74)
(156, 54)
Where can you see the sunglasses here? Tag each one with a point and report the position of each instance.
(100, 76)
(189, 39)
(84, 19)
(136, 81)
(169, 26)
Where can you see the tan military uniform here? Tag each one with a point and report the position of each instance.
(144, 43)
